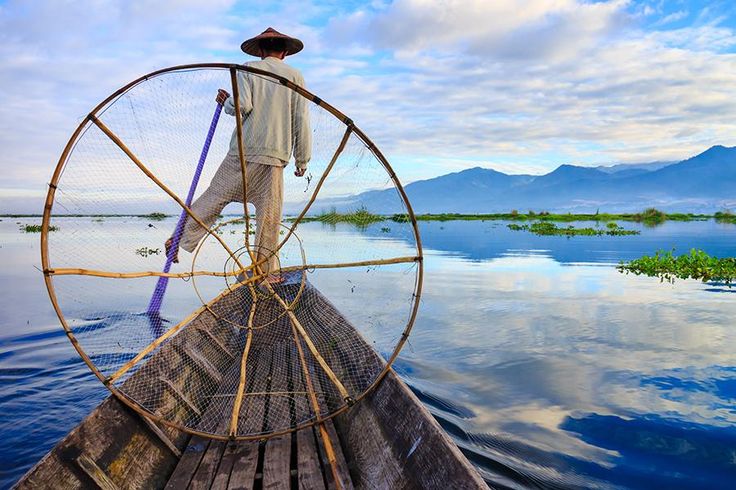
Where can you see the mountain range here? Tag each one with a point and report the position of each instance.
(703, 183)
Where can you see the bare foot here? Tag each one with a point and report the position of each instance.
(167, 246)
(274, 279)
(271, 280)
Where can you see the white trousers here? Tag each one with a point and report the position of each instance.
(265, 189)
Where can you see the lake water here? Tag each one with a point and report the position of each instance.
(547, 366)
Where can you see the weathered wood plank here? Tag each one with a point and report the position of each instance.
(163, 437)
(222, 475)
(117, 440)
(216, 342)
(279, 409)
(242, 476)
(302, 408)
(309, 473)
(188, 464)
(207, 469)
(253, 410)
(215, 418)
(95, 473)
(344, 480)
(276, 463)
(201, 362)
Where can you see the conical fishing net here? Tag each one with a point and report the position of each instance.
(278, 314)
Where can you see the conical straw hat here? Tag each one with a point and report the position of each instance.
(252, 46)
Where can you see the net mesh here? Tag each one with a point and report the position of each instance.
(279, 313)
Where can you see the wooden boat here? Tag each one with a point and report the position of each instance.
(385, 440)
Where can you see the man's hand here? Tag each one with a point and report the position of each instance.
(299, 172)
(222, 96)
(167, 246)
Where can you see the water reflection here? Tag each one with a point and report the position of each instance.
(547, 366)
(483, 240)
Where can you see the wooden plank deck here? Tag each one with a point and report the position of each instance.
(294, 460)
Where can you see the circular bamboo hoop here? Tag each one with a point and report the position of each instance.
(226, 274)
(92, 118)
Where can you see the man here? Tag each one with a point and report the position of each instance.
(275, 126)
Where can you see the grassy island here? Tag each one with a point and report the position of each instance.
(544, 228)
(650, 216)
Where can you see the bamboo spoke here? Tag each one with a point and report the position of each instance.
(175, 329)
(241, 156)
(340, 265)
(241, 386)
(338, 151)
(313, 349)
(329, 450)
(295, 323)
(135, 275)
(161, 185)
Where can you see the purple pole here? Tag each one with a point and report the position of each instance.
(158, 294)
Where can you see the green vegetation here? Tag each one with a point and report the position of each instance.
(648, 216)
(361, 217)
(545, 228)
(695, 265)
(36, 228)
(651, 216)
(726, 216)
(156, 216)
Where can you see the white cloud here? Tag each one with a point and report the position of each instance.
(521, 86)
(673, 17)
(505, 28)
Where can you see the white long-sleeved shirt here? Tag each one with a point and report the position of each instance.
(275, 118)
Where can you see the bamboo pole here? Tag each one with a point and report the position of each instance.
(182, 275)
(325, 367)
(338, 151)
(246, 215)
(45, 223)
(135, 275)
(420, 272)
(340, 265)
(241, 157)
(241, 385)
(169, 333)
(312, 348)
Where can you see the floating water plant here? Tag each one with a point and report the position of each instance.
(361, 217)
(36, 228)
(545, 228)
(695, 265)
(156, 216)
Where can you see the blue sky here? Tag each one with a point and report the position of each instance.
(519, 86)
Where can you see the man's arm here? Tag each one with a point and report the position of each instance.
(302, 132)
(246, 103)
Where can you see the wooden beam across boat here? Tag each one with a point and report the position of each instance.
(386, 440)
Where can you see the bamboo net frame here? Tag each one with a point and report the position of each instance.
(299, 334)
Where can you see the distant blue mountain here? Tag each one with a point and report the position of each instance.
(703, 183)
